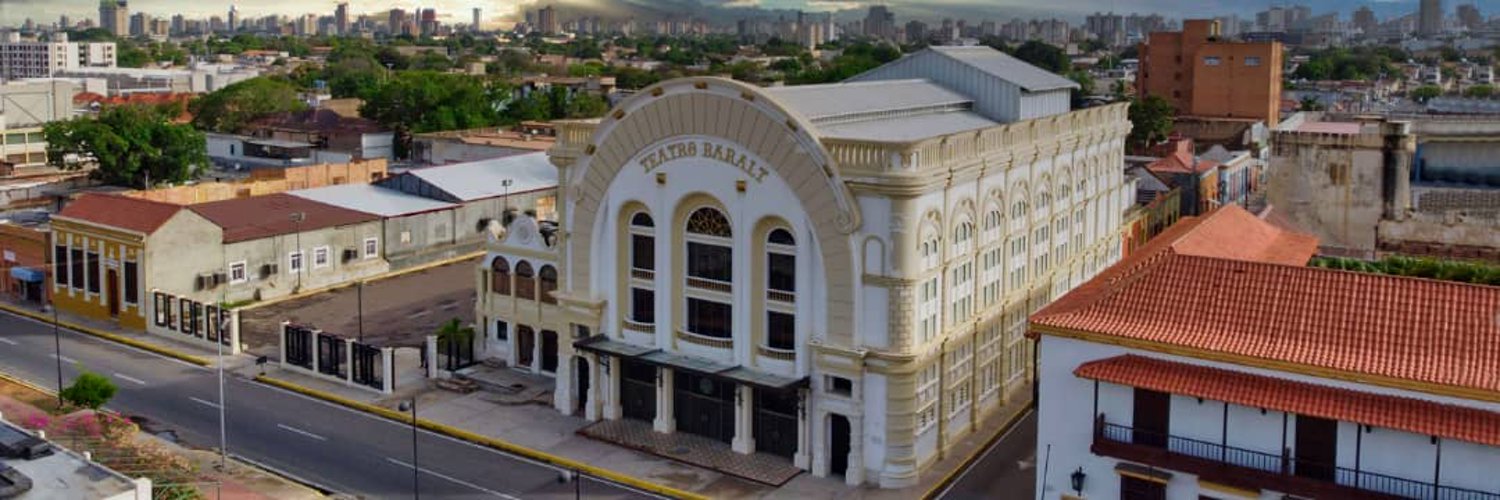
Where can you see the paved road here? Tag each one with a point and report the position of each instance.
(330, 446)
(1006, 471)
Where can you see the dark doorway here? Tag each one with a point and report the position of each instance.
(112, 290)
(1151, 417)
(1317, 444)
(703, 405)
(1134, 488)
(838, 445)
(776, 422)
(525, 345)
(637, 390)
(582, 375)
(549, 351)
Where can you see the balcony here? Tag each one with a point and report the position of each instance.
(1255, 470)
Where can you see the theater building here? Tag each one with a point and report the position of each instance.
(837, 274)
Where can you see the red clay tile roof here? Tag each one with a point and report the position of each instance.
(1392, 412)
(1233, 233)
(132, 214)
(1181, 163)
(255, 217)
(1386, 329)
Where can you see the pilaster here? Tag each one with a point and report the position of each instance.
(744, 430)
(664, 423)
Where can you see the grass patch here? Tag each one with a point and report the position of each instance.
(1462, 271)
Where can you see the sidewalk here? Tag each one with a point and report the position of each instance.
(542, 428)
(167, 346)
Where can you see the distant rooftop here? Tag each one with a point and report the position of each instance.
(483, 179)
(65, 475)
(1007, 67)
(372, 200)
(256, 217)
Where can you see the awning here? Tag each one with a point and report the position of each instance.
(601, 344)
(27, 274)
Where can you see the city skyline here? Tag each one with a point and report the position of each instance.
(14, 12)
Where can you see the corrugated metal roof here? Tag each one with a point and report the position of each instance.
(908, 128)
(372, 199)
(482, 179)
(1006, 67)
(840, 99)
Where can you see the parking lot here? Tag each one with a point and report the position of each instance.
(398, 311)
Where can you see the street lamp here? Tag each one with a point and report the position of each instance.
(297, 218)
(57, 344)
(416, 470)
(1077, 478)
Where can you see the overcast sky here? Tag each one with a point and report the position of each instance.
(13, 12)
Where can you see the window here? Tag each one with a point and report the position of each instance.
(781, 331)
(525, 281)
(642, 244)
(548, 282)
(714, 262)
(93, 272)
(643, 306)
(1015, 345)
(1133, 488)
(60, 258)
(185, 316)
(502, 330)
(294, 262)
(960, 362)
(211, 323)
(500, 276)
(962, 291)
(927, 398)
(161, 306)
(781, 261)
(928, 306)
(989, 358)
(1252, 60)
(838, 386)
(198, 319)
(320, 257)
(709, 318)
(1018, 258)
(405, 237)
(372, 247)
(132, 282)
(1212, 61)
(237, 272)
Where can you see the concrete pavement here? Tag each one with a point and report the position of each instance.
(1006, 471)
(326, 445)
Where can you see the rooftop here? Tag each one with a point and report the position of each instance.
(483, 179)
(826, 102)
(66, 475)
(256, 217)
(319, 120)
(131, 214)
(372, 200)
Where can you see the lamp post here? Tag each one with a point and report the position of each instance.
(416, 470)
(297, 218)
(506, 184)
(57, 344)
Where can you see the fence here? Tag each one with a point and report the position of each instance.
(328, 356)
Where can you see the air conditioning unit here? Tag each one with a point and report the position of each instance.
(267, 270)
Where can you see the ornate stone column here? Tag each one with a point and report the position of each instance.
(744, 420)
(664, 422)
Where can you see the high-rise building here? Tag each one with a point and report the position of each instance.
(138, 24)
(63, 22)
(880, 23)
(234, 20)
(429, 24)
(1108, 28)
(114, 17)
(1469, 17)
(546, 20)
(394, 21)
(179, 24)
(1204, 76)
(1364, 20)
(916, 31)
(23, 59)
(341, 18)
(1430, 18)
(475, 26)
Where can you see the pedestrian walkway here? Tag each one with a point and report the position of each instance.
(763, 468)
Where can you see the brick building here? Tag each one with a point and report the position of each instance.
(23, 259)
(1203, 75)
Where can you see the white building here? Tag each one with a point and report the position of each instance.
(836, 274)
(1215, 364)
(25, 107)
(32, 59)
(200, 78)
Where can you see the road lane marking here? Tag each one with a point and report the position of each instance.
(125, 377)
(295, 430)
(209, 404)
(454, 480)
(8, 341)
(64, 359)
(104, 342)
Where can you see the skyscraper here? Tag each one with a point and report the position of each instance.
(1364, 20)
(1430, 18)
(880, 23)
(114, 17)
(234, 20)
(1469, 17)
(341, 18)
(546, 20)
(475, 27)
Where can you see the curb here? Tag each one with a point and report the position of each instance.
(24, 383)
(497, 444)
(112, 337)
(372, 279)
(968, 462)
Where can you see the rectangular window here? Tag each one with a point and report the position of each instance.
(237, 273)
(502, 330)
(709, 318)
(93, 272)
(294, 262)
(185, 316)
(76, 267)
(1212, 60)
(59, 259)
(781, 331)
(320, 257)
(782, 272)
(212, 323)
(839, 386)
(642, 252)
(712, 262)
(161, 305)
(1252, 60)
(372, 247)
(643, 306)
(198, 319)
(132, 282)
(1133, 488)
(927, 397)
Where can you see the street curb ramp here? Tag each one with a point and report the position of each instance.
(471, 437)
(112, 337)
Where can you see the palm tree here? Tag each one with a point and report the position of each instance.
(455, 331)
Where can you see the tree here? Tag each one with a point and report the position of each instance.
(132, 146)
(90, 390)
(1426, 93)
(455, 331)
(413, 102)
(1151, 121)
(1481, 91)
(1044, 55)
(231, 109)
(1310, 103)
(587, 105)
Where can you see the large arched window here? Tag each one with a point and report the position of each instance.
(710, 274)
(1020, 216)
(500, 276)
(961, 279)
(781, 290)
(928, 305)
(992, 255)
(642, 274)
(525, 281)
(547, 279)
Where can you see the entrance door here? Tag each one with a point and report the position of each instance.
(525, 345)
(637, 390)
(1152, 411)
(703, 406)
(776, 422)
(838, 445)
(1317, 446)
(112, 289)
(582, 374)
(549, 351)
